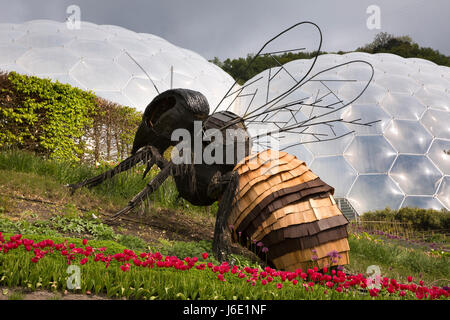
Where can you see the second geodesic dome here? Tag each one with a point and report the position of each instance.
(399, 161)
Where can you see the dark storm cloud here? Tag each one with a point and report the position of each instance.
(234, 28)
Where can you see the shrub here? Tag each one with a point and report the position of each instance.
(60, 121)
(420, 219)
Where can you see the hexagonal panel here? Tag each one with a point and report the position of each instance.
(115, 96)
(9, 54)
(433, 81)
(132, 45)
(416, 175)
(398, 83)
(374, 93)
(42, 26)
(422, 202)
(374, 192)
(94, 49)
(65, 78)
(408, 136)
(435, 99)
(100, 75)
(367, 113)
(139, 92)
(8, 36)
(370, 154)
(444, 192)
(132, 66)
(48, 60)
(436, 122)
(44, 40)
(87, 32)
(439, 153)
(403, 106)
(328, 148)
(336, 172)
(301, 153)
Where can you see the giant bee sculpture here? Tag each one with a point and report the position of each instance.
(268, 196)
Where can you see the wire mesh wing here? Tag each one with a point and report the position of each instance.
(295, 104)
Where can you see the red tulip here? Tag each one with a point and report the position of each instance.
(374, 292)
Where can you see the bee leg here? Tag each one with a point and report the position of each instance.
(145, 154)
(154, 184)
(221, 246)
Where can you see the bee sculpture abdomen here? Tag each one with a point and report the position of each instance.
(285, 206)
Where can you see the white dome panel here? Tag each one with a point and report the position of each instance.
(139, 92)
(416, 175)
(409, 98)
(367, 112)
(439, 153)
(422, 202)
(398, 83)
(434, 99)
(408, 136)
(403, 106)
(444, 192)
(9, 54)
(94, 49)
(47, 60)
(94, 57)
(41, 40)
(437, 122)
(100, 75)
(375, 192)
(370, 154)
(336, 172)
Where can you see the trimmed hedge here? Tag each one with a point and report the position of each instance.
(62, 122)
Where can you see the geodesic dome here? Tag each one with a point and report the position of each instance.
(102, 58)
(399, 161)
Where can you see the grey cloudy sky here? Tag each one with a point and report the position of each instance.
(234, 28)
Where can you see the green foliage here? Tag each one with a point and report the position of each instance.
(46, 117)
(405, 47)
(118, 190)
(132, 242)
(35, 228)
(58, 225)
(419, 219)
(183, 248)
(241, 69)
(396, 260)
(16, 269)
(56, 120)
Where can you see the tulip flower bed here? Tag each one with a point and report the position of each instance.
(111, 269)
